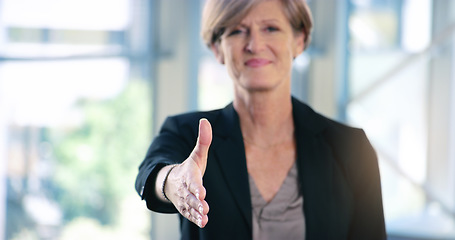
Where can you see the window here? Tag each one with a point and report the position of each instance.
(395, 80)
(74, 105)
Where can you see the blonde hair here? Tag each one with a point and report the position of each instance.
(220, 14)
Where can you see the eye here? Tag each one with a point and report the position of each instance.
(236, 32)
(271, 29)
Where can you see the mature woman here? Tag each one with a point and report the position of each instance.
(266, 166)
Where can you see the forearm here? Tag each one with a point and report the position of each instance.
(145, 185)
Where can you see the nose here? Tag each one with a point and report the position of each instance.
(255, 42)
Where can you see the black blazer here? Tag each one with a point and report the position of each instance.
(337, 166)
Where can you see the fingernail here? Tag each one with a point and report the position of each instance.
(199, 222)
(201, 209)
(197, 195)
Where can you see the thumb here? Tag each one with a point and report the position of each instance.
(200, 152)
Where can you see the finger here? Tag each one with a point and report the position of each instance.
(205, 134)
(193, 209)
(200, 152)
(189, 201)
(205, 207)
(198, 219)
(201, 206)
(197, 189)
(205, 220)
(183, 205)
(194, 203)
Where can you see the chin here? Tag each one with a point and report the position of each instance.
(259, 84)
(259, 87)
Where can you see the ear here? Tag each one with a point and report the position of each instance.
(219, 55)
(299, 43)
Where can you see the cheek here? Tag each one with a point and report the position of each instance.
(284, 47)
(231, 65)
(287, 52)
(233, 58)
(287, 56)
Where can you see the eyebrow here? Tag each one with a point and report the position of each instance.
(272, 20)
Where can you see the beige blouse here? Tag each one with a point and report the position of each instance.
(281, 218)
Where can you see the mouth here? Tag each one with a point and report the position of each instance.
(257, 62)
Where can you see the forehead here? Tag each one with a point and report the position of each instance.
(269, 10)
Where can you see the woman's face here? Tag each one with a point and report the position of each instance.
(259, 51)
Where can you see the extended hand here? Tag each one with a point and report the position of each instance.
(184, 184)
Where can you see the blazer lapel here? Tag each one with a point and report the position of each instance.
(315, 165)
(230, 154)
(315, 178)
(318, 172)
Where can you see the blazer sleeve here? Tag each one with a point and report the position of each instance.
(172, 145)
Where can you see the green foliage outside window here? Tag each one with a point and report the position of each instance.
(96, 163)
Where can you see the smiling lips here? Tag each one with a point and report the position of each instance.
(257, 62)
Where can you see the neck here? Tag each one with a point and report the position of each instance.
(265, 117)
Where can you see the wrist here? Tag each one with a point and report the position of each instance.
(163, 185)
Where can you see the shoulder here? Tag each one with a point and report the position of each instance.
(337, 131)
(346, 141)
(316, 123)
(349, 147)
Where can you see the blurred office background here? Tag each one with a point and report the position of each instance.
(85, 85)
